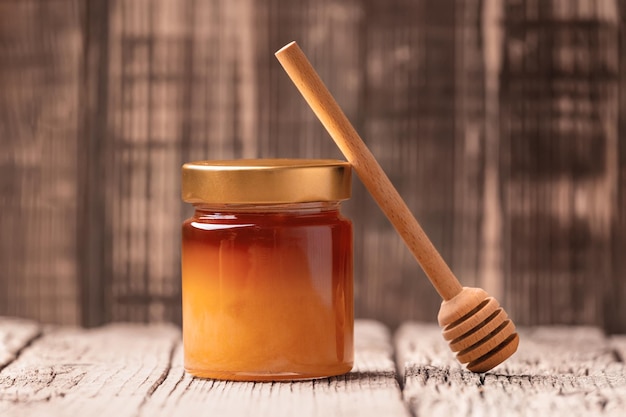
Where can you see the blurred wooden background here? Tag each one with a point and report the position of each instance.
(502, 123)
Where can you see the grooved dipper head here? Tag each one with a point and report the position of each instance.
(477, 329)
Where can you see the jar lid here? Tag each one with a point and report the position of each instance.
(266, 181)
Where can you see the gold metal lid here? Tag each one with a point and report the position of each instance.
(266, 181)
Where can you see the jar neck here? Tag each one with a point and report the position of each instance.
(203, 209)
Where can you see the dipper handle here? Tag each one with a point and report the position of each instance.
(372, 175)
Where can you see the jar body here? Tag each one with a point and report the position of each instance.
(267, 291)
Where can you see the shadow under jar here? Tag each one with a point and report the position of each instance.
(267, 269)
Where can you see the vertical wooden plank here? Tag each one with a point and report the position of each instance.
(558, 153)
(222, 121)
(472, 120)
(328, 31)
(93, 264)
(148, 75)
(491, 267)
(409, 92)
(40, 64)
(615, 293)
(424, 120)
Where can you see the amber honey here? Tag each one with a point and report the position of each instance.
(267, 285)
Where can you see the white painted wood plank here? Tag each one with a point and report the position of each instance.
(566, 371)
(73, 372)
(15, 334)
(556, 371)
(135, 370)
(371, 389)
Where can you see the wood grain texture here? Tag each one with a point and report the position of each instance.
(371, 389)
(557, 371)
(40, 58)
(93, 262)
(105, 371)
(137, 370)
(149, 75)
(413, 67)
(133, 370)
(500, 123)
(15, 335)
(615, 307)
(558, 152)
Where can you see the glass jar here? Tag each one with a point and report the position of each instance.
(267, 269)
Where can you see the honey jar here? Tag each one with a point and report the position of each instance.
(267, 280)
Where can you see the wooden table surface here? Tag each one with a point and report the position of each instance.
(136, 370)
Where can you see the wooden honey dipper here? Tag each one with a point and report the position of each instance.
(474, 324)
